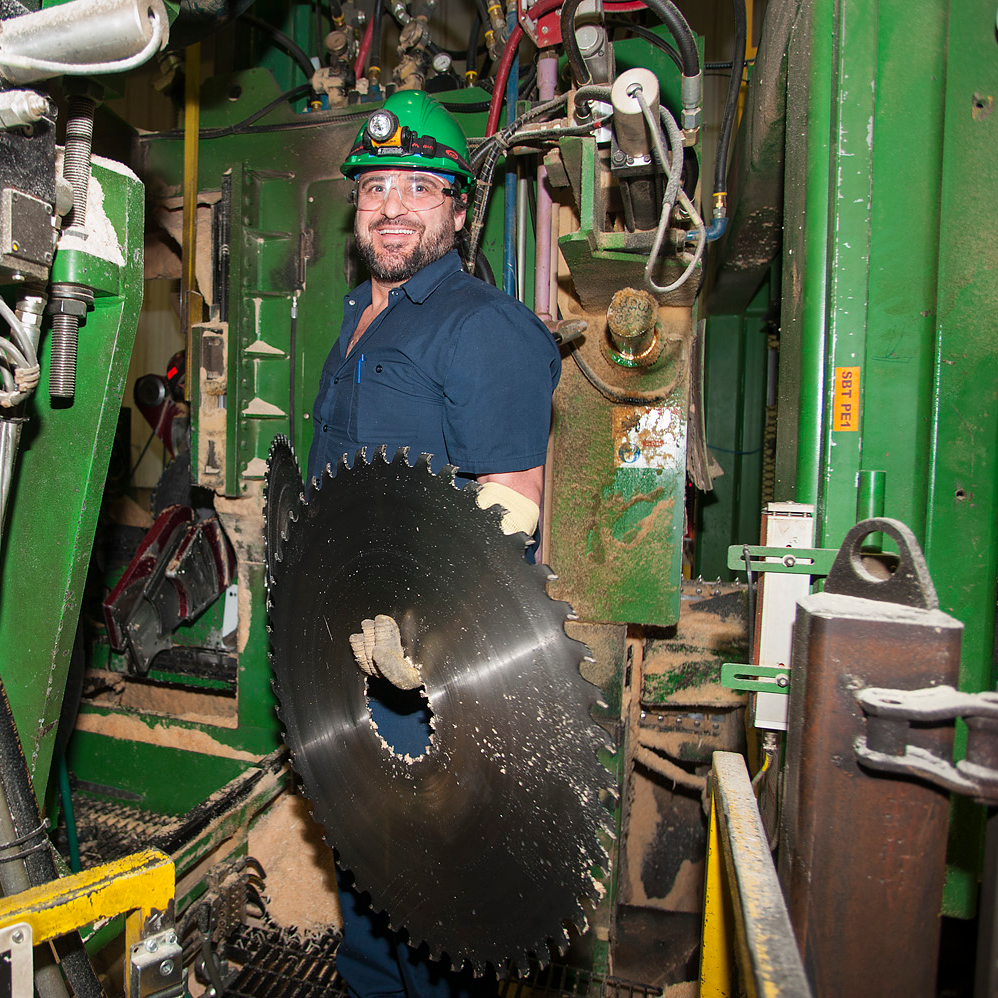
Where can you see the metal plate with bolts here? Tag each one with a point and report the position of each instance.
(156, 966)
(15, 941)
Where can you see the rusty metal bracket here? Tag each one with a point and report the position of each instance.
(889, 716)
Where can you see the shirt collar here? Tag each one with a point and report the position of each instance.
(420, 286)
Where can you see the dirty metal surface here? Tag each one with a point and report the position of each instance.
(684, 668)
(859, 851)
(757, 922)
(616, 530)
(507, 799)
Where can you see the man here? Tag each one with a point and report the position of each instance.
(430, 358)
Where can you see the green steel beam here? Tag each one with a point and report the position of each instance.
(59, 480)
(961, 538)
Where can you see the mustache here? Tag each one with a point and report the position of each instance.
(397, 223)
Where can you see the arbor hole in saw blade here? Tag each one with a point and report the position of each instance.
(402, 718)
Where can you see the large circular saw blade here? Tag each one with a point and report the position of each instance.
(483, 846)
(282, 496)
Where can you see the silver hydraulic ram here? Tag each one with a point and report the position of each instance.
(81, 37)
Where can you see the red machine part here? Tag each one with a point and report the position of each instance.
(541, 21)
(180, 568)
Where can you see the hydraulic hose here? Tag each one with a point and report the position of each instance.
(509, 53)
(365, 47)
(374, 53)
(578, 65)
(648, 36)
(669, 14)
(287, 43)
(471, 59)
(509, 215)
(719, 223)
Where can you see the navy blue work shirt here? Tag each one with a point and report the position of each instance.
(451, 367)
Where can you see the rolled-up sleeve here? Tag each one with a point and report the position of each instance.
(504, 368)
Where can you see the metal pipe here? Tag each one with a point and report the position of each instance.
(871, 486)
(811, 381)
(509, 219)
(522, 202)
(547, 77)
(79, 32)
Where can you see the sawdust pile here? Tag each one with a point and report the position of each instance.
(301, 879)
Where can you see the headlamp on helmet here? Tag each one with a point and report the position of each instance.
(382, 127)
(411, 132)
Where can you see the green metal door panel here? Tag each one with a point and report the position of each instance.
(58, 482)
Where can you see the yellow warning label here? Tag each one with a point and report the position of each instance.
(845, 414)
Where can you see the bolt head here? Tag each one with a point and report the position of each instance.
(151, 945)
(166, 968)
(17, 937)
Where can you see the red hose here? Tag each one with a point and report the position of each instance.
(365, 47)
(538, 11)
(509, 53)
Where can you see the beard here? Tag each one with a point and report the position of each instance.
(392, 266)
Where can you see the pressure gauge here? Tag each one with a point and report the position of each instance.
(442, 62)
(382, 125)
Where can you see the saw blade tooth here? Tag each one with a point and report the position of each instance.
(401, 456)
(381, 453)
(423, 463)
(447, 473)
(360, 457)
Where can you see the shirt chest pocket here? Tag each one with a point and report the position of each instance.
(396, 402)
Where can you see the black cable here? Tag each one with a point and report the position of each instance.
(471, 56)
(669, 14)
(319, 34)
(373, 60)
(472, 107)
(483, 12)
(649, 36)
(243, 127)
(731, 100)
(579, 68)
(287, 43)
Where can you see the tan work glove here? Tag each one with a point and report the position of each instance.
(378, 651)
(521, 513)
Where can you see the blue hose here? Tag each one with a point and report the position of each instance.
(69, 815)
(509, 219)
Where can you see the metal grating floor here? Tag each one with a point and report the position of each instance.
(278, 964)
(573, 982)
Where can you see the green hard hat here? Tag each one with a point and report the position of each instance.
(411, 130)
